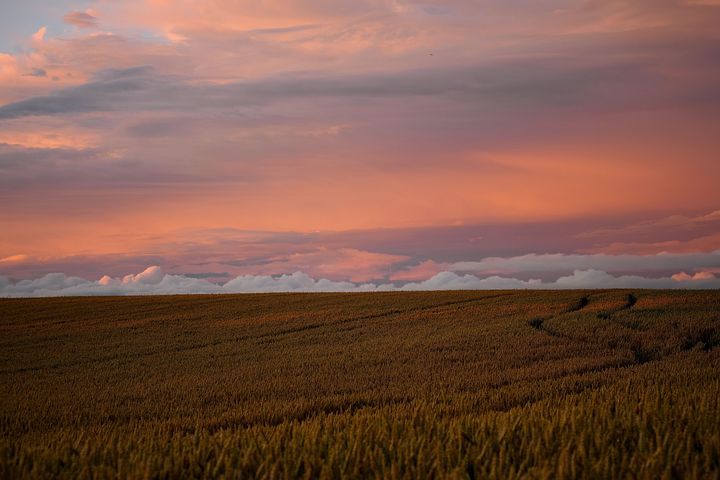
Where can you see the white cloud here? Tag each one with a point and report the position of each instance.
(578, 279)
(453, 281)
(150, 276)
(151, 281)
(154, 281)
(601, 279)
(296, 282)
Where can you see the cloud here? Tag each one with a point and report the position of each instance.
(109, 90)
(80, 19)
(353, 264)
(153, 281)
(579, 279)
(675, 233)
(703, 243)
(525, 111)
(296, 282)
(423, 270)
(453, 281)
(600, 279)
(682, 276)
(396, 255)
(39, 36)
(36, 72)
(15, 258)
(150, 276)
(22, 167)
(506, 84)
(150, 281)
(534, 263)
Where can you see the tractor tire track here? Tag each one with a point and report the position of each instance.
(538, 323)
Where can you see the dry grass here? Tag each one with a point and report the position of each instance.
(590, 384)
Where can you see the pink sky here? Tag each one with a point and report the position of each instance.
(362, 141)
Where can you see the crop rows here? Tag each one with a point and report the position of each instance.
(572, 384)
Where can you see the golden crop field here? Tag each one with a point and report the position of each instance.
(509, 384)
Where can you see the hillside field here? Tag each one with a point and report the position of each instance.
(502, 384)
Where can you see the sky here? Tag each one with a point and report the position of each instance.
(157, 146)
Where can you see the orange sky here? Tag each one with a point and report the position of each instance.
(130, 129)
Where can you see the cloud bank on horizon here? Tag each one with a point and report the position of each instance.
(153, 280)
(370, 143)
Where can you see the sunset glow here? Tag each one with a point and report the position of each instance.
(376, 144)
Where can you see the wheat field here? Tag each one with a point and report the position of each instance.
(503, 384)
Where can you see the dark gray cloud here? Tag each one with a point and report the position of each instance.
(545, 82)
(520, 83)
(92, 97)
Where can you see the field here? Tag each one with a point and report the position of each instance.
(509, 384)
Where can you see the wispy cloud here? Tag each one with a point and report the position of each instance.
(80, 19)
